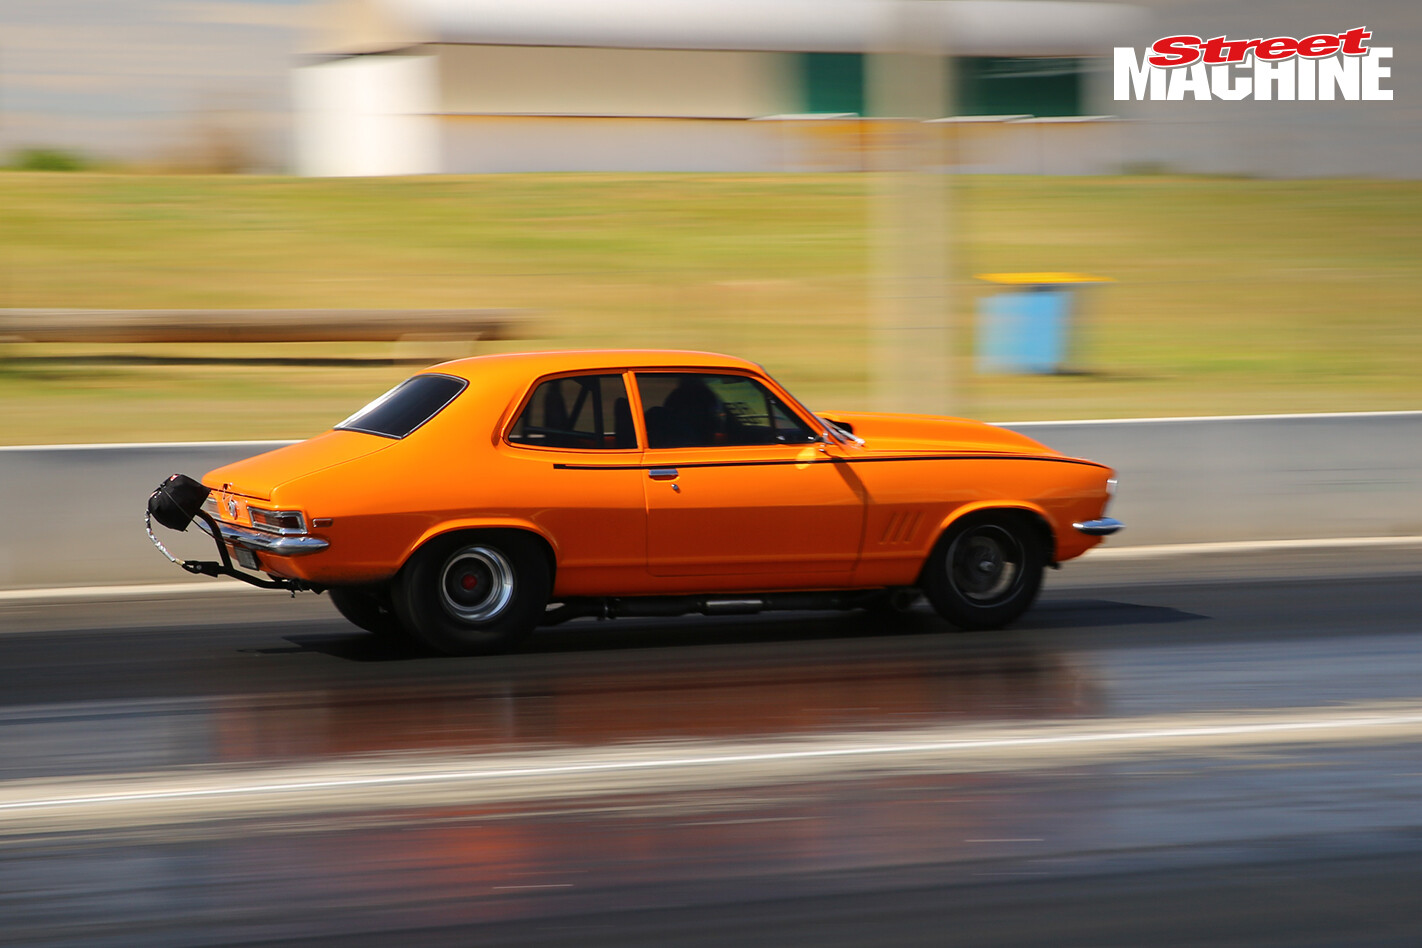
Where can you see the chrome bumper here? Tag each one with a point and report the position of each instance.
(260, 542)
(1099, 528)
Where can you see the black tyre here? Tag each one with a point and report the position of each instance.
(985, 571)
(473, 593)
(368, 608)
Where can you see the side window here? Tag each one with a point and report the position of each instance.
(696, 410)
(589, 412)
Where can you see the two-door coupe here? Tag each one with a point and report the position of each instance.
(483, 497)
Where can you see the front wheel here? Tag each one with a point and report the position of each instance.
(473, 594)
(985, 571)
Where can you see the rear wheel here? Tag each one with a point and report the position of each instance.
(985, 571)
(368, 608)
(473, 593)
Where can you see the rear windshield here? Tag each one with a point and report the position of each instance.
(406, 406)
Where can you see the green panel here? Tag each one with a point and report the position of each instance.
(832, 82)
(993, 85)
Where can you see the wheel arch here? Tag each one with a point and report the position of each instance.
(1027, 512)
(487, 527)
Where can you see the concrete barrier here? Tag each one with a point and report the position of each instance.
(1273, 477)
(73, 514)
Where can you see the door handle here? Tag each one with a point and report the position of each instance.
(662, 473)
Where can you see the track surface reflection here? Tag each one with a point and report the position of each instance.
(887, 858)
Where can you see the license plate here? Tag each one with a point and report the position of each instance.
(245, 557)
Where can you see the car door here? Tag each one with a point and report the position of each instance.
(579, 479)
(738, 484)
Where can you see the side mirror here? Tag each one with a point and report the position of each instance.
(843, 430)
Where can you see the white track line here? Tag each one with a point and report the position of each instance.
(166, 445)
(209, 587)
(142, 445)
(1314, 416)
(196, 587)
(1246, 546)
(419, 780)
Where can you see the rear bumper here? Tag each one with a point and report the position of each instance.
(1103, 527)
(270, 543)
(179, 501)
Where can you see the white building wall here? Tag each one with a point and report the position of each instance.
(367, 115)
(572, 80)
(498, 144)
(491, 144)
(483, 145)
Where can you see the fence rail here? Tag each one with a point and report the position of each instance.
(258, 325)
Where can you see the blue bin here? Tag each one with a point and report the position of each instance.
(1025, 329)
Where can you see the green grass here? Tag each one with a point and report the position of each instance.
(1233, 296)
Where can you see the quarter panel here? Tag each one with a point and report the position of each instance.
(912, 500)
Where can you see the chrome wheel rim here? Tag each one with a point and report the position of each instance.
(476, 584)
(985, 565)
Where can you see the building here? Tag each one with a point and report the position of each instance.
(462, 86)
(1015, 86)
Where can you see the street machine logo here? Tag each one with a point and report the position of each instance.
(1321, 67)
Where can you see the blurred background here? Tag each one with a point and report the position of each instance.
(766, 179)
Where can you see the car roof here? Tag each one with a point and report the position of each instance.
(528, 365)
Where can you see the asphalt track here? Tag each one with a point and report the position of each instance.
(1222, 748)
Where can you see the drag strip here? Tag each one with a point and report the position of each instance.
(1212, 747)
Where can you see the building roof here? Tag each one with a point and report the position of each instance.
(961, 27)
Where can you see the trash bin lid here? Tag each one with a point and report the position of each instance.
(1042, 279)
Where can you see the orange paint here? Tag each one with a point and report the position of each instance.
(812, 514)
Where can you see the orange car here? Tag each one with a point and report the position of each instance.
(483, 497)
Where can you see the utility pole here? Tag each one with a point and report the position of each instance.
(912, 342)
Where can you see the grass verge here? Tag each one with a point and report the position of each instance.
(1232, 296)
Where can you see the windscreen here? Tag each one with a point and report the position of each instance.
(406, 406)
